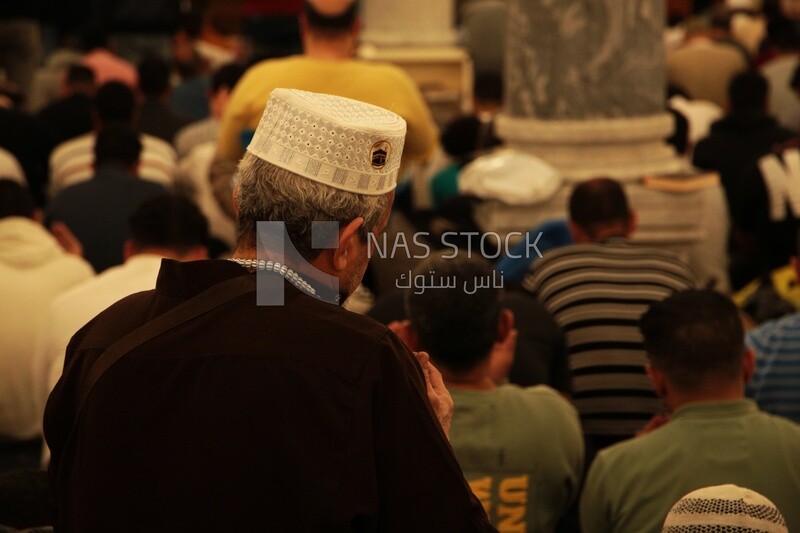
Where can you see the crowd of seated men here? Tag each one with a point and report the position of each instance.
(599, 387)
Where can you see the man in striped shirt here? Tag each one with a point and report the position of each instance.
(597, 289)
(72, 161)
(776, 381)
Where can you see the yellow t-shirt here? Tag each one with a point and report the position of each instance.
(379, 84)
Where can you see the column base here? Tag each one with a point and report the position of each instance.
(622, 148)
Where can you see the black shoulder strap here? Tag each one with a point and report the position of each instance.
(200, 304)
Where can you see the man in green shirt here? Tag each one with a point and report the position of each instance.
(521, 449)
(699, 366)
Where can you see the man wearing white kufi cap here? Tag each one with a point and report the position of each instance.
(192, 407)
(724, 508)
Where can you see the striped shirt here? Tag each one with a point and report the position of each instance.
(776, 381)
(73, 162)
(597, 293)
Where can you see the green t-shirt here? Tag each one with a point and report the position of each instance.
(632, 485)
(521, 451)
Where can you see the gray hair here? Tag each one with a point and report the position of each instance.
(269, 193)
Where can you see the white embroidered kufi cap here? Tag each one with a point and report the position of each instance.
(724, 509)
(344, 143)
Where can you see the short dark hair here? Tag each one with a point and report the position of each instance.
(457, 329)
(168, 221)
(15, 200)
(115, 102)
(596, 203)
(153, 75)
(79, 75)
(331, 25)
(694, 336)
(92, 37)
(226, 76)
(748, 91)
(117, 144)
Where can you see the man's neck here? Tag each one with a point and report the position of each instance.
(329, 49)
(676, 399)
(475, 379)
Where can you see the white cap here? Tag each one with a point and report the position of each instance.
(724, 508)
(344, 143)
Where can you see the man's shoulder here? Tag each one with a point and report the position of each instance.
(153, 144)
(68, 147)
(582, 253)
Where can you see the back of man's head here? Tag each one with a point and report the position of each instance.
(226, 77)
(455, 326)
(168, 222)
(153, 76)
(117, 145)
(115, 103)
(331, 18)
(696, 339)
(15, 200)
(747, 92)
(598, 204)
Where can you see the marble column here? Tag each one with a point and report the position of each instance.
(585, 86)
(408, 22)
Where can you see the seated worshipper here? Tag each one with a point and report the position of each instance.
(724, 508)
(741, 137)
(162, 226)
(73, 161)
(295, 414)
(597, 289)
(699, 366)
(100, 57)
(330, 30)
(521, 449)
(776, 380)
(462, 140)
(207, 130)
(705, 64)
(34, 269)
(27, 138)
(767, 220)
(97, 211)
(540, 357)
(156, 117)
(71, 115)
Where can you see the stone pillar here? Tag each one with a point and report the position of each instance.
(585, 86)
(408, 22)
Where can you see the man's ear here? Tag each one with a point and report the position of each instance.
(128, 250)
(796, 266)
(505, 324)
(578, 236)
(658, 379)
(633, 220)
(748, 365)
(348, 244)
